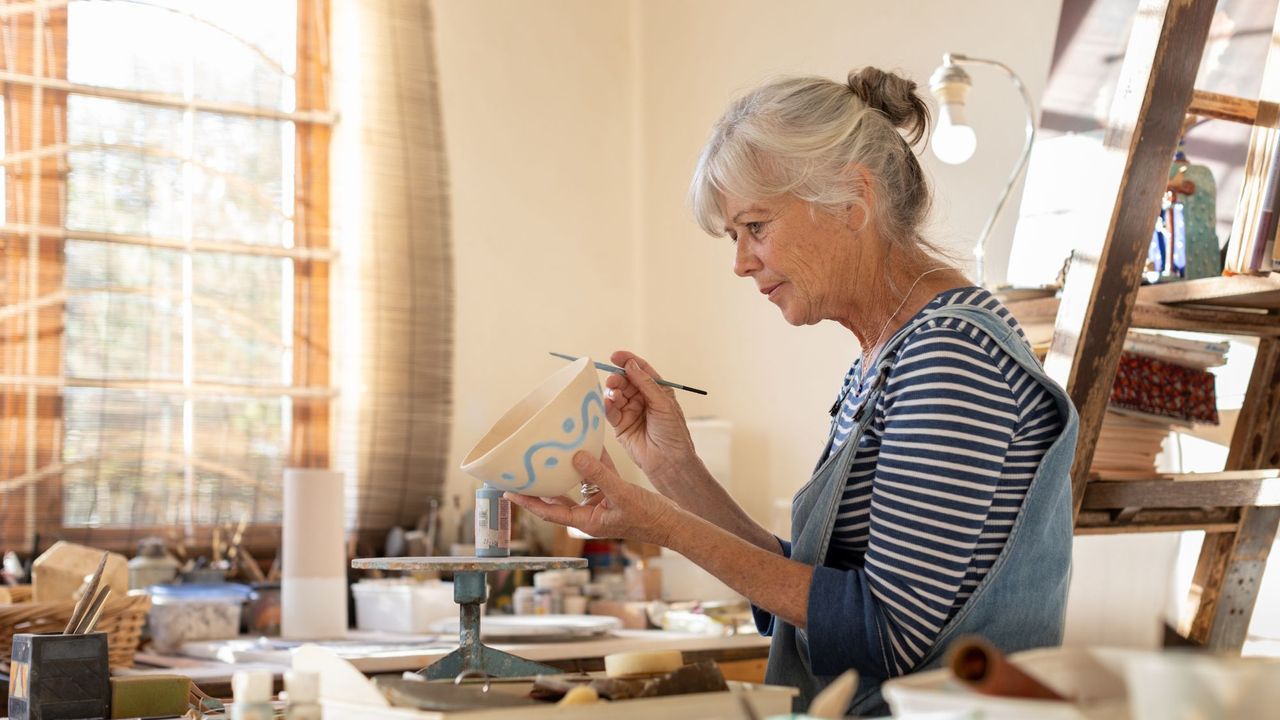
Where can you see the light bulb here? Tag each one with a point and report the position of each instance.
(953, 139)
(954, 144)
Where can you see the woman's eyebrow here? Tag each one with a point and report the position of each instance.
(753, 208)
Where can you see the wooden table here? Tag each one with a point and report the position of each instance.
(741, 657)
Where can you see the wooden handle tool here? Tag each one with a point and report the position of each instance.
(92, 614)
(87, 598)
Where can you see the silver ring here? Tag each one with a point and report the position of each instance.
(589, 489)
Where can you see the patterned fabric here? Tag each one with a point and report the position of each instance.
(940, 473)
(1157, 387)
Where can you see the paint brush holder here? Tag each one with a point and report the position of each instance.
(59, 677)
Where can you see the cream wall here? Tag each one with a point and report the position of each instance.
(572, 127)
(539, 128)
(704, 325)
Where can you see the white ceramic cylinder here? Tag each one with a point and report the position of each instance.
(313, 592)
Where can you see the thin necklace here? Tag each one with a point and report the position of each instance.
(866, 359)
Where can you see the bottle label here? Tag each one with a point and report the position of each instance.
(493, 524)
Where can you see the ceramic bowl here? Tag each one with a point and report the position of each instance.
(530, 449)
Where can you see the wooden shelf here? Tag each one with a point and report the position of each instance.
(1223, 107)
(1238, 305)
(1110, 522)
(1257, 292)
(1245, 488)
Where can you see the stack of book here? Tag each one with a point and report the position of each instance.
(1163, 384)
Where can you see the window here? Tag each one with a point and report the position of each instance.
(166, 265)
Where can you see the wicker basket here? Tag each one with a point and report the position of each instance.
(122, 620)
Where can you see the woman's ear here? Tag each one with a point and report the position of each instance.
(859, 212)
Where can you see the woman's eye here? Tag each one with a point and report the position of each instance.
(754, 227)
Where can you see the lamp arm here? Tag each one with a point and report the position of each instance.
(980, 250)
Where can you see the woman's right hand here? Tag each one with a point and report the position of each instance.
(647, 420)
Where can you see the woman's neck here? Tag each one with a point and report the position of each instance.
(904, 291)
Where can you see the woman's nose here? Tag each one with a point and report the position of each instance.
(744, 262)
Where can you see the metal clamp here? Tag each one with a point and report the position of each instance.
(470, 673)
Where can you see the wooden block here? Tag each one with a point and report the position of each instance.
(60, 571)
(751, 671)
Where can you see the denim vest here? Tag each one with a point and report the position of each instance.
(1019, 604)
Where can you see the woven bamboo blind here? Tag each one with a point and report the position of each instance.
(395, 324)
(165, 283)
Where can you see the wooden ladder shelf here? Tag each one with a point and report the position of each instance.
(1101, 299)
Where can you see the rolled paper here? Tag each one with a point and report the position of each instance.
(313, 583)
(982, 667)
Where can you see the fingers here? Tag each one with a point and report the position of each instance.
(543, 509)
(654, 394)
(596, 472)
(564, 500)
(622, 357)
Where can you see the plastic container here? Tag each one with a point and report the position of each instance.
(188, 613)
(400, 606)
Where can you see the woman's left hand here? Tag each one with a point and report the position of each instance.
(619, 510)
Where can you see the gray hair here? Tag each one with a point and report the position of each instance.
(801, 136)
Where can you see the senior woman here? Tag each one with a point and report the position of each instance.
(941, 503)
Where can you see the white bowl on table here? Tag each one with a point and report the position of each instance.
(530, 449)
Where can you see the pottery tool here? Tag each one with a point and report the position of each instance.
(92, 613)
(984, 668)
(619, 371)
(82, 605)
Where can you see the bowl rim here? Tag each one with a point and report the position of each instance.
(570, 373)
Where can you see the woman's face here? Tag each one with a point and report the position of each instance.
(803, 260)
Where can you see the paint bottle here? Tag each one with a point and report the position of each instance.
(252, 691)
(493, 523)
(303, 690)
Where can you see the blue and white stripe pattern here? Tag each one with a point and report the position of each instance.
(940, 472)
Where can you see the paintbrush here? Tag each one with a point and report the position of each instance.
(619, 371)
(77, 614)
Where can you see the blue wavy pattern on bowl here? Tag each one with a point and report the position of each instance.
(589, 422)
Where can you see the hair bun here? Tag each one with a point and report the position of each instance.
(895, 97)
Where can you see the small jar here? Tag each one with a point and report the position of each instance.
(152, 565)
(522, 600)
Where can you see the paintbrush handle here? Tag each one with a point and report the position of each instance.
(619, 371)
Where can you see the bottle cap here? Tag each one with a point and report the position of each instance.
(252, 686)
(303, 687)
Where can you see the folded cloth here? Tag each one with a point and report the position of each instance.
(1158, 387)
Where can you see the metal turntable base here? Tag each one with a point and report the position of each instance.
(470, 591)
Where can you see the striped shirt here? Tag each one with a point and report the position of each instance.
(940, 472)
